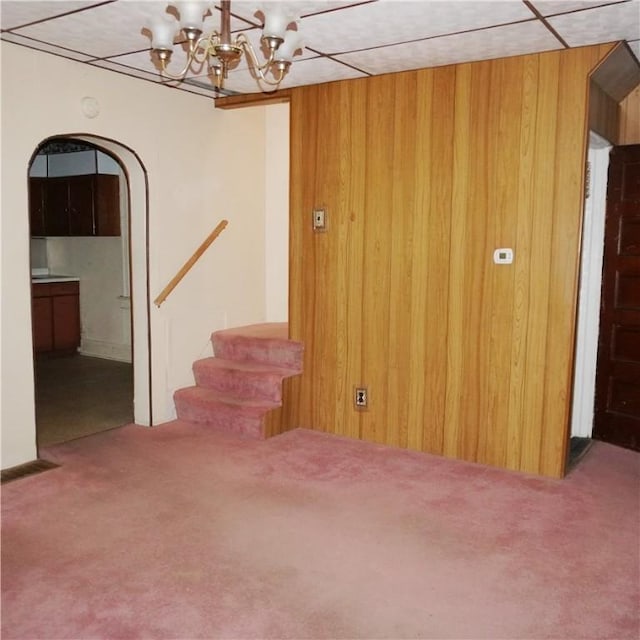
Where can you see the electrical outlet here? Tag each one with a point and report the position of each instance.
(361, 397)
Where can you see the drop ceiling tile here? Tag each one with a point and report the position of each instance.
(102, 31)
(394, 21)
(201, 86)
(247, 8)
(635, 47)
(603, 24)
(551, 7)
(487, 44)
(127, 70)
(318, 70)
(44, 46)
(14, 13)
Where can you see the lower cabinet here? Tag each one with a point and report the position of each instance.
(56, 317)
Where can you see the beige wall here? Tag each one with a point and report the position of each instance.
(104, 313)
(277, 212)
(199, 164)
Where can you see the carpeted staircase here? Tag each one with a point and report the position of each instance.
(240, 389)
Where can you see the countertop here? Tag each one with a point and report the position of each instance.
(53, 278)
(42, 276)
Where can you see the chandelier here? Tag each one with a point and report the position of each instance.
(219, 50)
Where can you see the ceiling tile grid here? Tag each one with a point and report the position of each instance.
(343, 38)
(45, 46)
(511, 40)
(318, 70)
(130, 70)
(603, 24)
(552, 7)
(100, 32)
(14, 14)
(390, 22)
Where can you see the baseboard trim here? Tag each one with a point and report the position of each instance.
(104, 349)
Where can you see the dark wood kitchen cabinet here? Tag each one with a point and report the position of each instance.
(87, 205)
(56, 317)
(37, 190)
(106, 199)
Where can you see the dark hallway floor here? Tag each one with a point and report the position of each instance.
(78, 395)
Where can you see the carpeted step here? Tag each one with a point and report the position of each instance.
(225, 412)
(241, 378)
(240, 389)
(266, 343)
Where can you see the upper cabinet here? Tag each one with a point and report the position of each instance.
(86, 205)
(74, 194)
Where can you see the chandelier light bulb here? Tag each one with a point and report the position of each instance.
(292, 42)
(275, 22)
(164, 29)
(191, 13)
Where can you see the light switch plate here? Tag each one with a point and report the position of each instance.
(320, 219)
(503, 256)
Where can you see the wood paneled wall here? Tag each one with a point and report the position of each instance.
(423, 175)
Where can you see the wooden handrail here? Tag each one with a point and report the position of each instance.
(189, 263)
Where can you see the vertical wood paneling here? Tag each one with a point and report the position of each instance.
(456, 362)
(539, 242)
(436, 236)
(505, 108)
(377, 262)
(349, 214)
(477, 288)
(403, 207)
(416, 342)
(523, 203)
(424, 174)
(304, 124)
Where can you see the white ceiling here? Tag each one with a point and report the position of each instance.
(343, 38)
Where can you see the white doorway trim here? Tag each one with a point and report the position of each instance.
(139, 266)
(588, 320)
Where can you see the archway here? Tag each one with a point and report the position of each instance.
(136, 186)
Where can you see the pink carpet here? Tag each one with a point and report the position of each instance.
(179, 532)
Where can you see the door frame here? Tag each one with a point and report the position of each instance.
(140, 293)
(588, 317)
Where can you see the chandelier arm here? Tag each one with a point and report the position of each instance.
(207, 43)
(267, 86)
(243, 42)
(191, 57)
(261, 77)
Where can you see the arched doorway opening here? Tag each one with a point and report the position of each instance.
(111, 254)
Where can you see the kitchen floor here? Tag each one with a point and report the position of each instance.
(77, 396)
